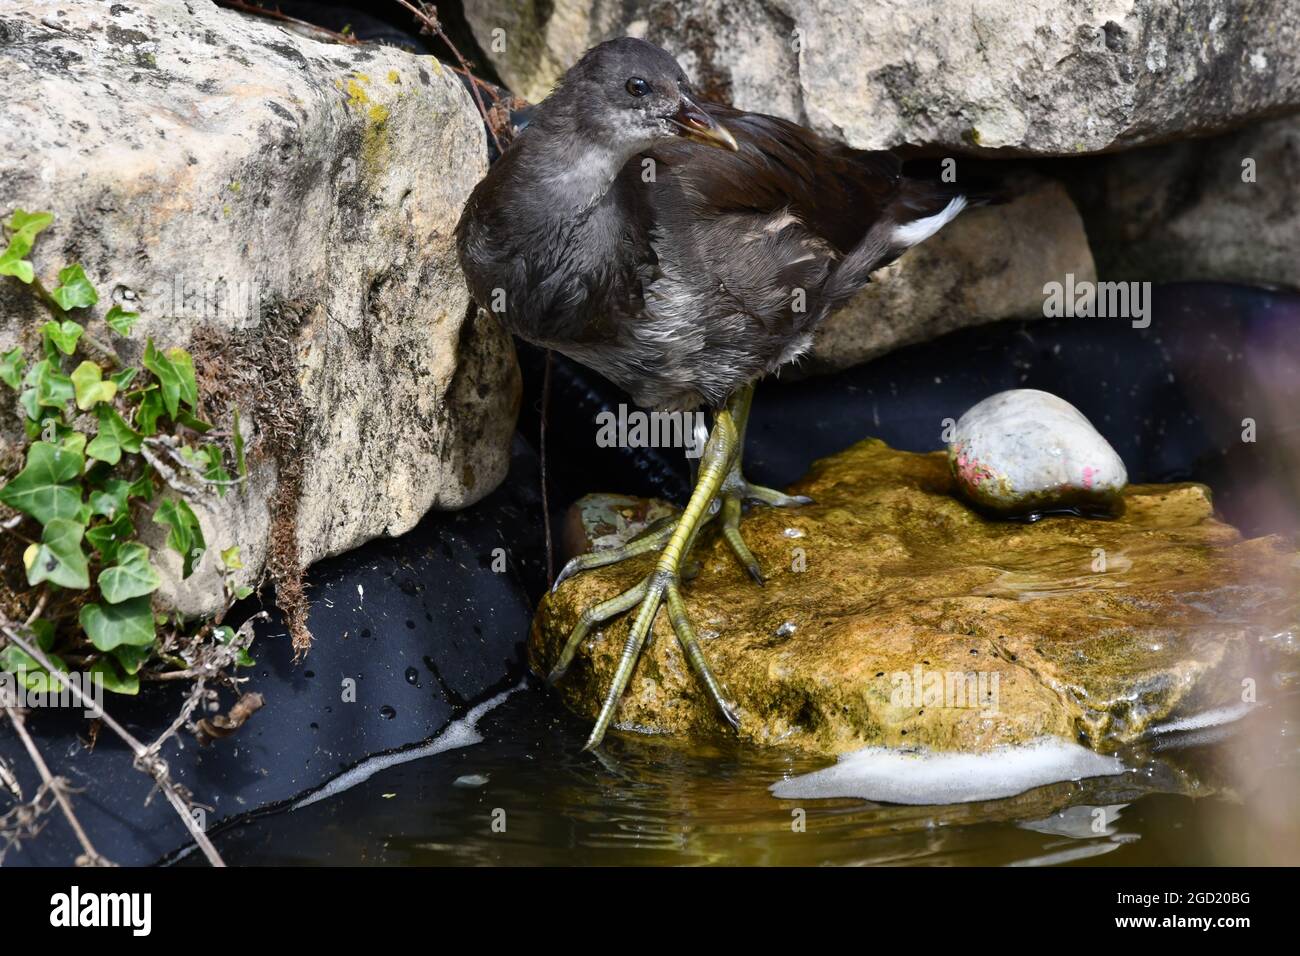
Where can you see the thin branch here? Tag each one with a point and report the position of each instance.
(541, 454)
(150, 763)
(25, 821)
(275, 14)
(90, 856)
(10, 781)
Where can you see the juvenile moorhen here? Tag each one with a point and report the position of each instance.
(683, 249)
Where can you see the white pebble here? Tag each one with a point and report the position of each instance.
(1024, 449)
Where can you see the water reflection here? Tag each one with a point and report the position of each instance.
(526, 796)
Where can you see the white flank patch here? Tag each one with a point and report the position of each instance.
(909, 234)
(927, 778)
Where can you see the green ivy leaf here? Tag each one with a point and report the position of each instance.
(237, 437)
(185, 536)
(90, 387)
(34, 677)
(44, 631)
(11, 368)
(22, 228)
(184, 365)
(192, 421)
(142, 487)
(49, 487)
(123, 378)
(105, 671)
(110, 625)
(132, 576)
(120, 320)
(32, 412)
(64, 336)
(115, 436)
(58, 558)
(108, 539)
(130, 658)
(53, 388)
(74, 290)
(70, 439)
(12, 263)
(151, 409)
(216, 468)
(25, 226)
(169, 377)
(230, 558)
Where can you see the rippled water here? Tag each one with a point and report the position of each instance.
(524, 794)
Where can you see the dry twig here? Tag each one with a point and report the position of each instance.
(58, 787)
(145, 760)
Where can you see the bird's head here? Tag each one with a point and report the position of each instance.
(630, 94)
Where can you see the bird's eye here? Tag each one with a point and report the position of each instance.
(637, 86)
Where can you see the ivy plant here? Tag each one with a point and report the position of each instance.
(107, 448)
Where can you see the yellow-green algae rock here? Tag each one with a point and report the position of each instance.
(895, 615)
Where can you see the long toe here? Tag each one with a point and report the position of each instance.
(652, 539)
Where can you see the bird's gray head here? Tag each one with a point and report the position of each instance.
(627, 95)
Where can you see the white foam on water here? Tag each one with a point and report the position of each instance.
(927, 778)
(1210, 718)
(459, 733)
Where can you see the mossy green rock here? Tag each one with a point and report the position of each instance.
(895, 615)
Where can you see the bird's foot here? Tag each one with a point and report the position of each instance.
(673, 539)
(651, 539)
(661, 586)
(735, 491)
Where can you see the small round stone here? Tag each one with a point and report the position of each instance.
(1024, 451)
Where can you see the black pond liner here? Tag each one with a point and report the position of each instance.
(428, 629)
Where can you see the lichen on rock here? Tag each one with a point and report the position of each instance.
(895, 615)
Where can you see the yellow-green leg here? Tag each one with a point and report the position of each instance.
(720, 490)
(736, 490)
(663, 581)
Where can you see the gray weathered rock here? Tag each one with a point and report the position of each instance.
(1026, 450)
(1218, 209)
(284, 209)
(991, 263)
(1051, 77)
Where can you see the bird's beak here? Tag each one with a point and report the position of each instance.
(693, 123)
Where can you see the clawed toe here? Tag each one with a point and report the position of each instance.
(649, 540)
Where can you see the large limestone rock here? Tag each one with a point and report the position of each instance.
(896, 616)
(1223, 208)
(1032, 76)
(991, 263)
(284, 209)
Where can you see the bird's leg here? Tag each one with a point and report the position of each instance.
(736, 490)
(663, 584)
(650, 539)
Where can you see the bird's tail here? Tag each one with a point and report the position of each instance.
(923, 205)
